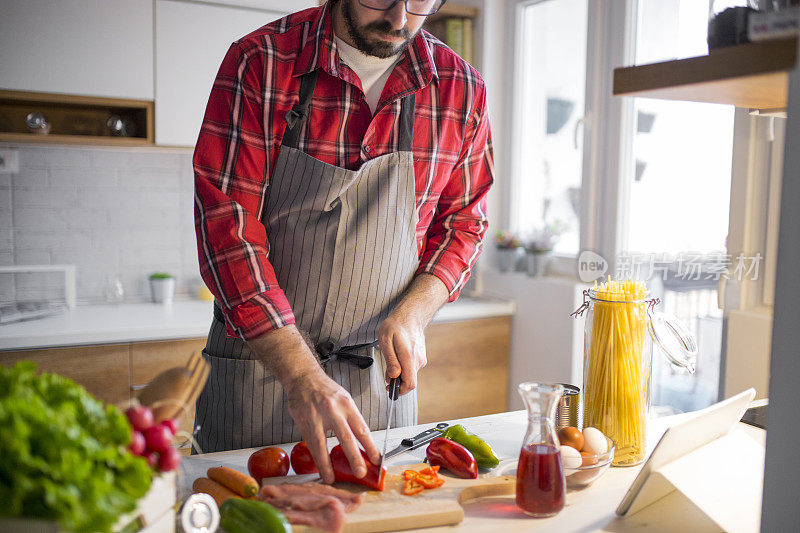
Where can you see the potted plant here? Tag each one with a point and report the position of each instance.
(507, 247)
(539, 247)
(162, 287)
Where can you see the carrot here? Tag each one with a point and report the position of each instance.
(240, 483)
(214, 489)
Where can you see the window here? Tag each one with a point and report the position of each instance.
(676, 199)
(549, 108)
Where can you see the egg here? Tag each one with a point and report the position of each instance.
(588, 459)
(571, 436)
(570, 457)
(594, 441)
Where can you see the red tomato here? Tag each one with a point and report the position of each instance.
(268, 462)
(301, 459)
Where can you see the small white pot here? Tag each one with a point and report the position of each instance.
(162, 290)
(537, 263)
(506, 259)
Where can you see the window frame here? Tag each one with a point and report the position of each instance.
(604, 146)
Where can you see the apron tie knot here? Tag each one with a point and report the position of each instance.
(346, 354)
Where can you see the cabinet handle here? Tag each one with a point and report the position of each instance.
(135, 388)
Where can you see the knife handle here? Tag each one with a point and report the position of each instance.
(394, 388)
(426, 435)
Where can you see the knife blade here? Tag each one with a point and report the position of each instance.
(394, 390)
(408, 444)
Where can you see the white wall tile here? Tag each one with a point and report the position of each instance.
(106, 210)
(83, 177)
(39, 218)
(54, 157)
(31, 177)
(143, 178)
(33, 256)
(44, 196)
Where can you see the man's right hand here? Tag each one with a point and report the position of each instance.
(316, 402)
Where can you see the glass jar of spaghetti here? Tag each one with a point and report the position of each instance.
(619, 333)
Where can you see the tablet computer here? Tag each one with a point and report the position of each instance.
(705, 426)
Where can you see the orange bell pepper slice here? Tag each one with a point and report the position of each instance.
(412, 487)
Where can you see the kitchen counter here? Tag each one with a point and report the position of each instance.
(138, 322)
(590, 509)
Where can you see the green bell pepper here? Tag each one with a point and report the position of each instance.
(252, 516)
(484, 455)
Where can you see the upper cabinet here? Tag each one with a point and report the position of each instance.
(86, 47)
(191, 41)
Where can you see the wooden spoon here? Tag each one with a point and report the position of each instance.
(164, 395)
(175, 389)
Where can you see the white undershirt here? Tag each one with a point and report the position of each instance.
(372, 71)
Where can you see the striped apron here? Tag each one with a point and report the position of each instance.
(343, 246)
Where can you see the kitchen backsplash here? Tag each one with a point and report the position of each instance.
(125, 212)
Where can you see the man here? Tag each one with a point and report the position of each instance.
(341, 176)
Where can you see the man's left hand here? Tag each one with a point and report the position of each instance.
(401, 338)
(402, 343)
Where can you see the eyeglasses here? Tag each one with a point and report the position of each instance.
(413, 7)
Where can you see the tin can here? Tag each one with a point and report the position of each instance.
(569, 408)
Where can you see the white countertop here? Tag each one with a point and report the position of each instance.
(590, 509)
(111, 324)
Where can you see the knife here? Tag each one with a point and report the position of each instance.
(408, 444)
(394, 390)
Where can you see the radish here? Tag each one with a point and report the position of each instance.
(169, 460)
(140, 417)
(158, 438)
(138, 444)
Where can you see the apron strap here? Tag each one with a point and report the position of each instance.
(407, 106)
(296, 117)
(346, 354)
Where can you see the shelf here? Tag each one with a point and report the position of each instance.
(751, 75)
(457, 10)
(74, 119)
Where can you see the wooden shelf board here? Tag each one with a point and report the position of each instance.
(73, 139)
(59, 104)
(458, 10)
(752, 75)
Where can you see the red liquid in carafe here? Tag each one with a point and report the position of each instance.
(540, 480)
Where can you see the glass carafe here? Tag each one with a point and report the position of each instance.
(541, 487)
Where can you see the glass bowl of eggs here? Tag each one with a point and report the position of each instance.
(585, 455)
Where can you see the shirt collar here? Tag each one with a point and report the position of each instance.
(319, 52)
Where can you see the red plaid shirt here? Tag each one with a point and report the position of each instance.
(258, 83)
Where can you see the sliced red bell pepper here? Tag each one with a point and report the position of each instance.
(453, 456)
(412, 487)
(376, 475)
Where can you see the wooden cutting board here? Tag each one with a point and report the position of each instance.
(391, 510)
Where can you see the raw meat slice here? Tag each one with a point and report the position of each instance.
(312, 504)
(350, 500)
(330, 517)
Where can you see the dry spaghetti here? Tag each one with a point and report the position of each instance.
(617, 368)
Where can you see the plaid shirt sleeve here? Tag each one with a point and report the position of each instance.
(454, 238)
(230, 168)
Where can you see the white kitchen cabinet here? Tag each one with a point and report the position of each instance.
(191, 41)
(86, 47)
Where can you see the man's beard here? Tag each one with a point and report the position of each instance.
(370, 45)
